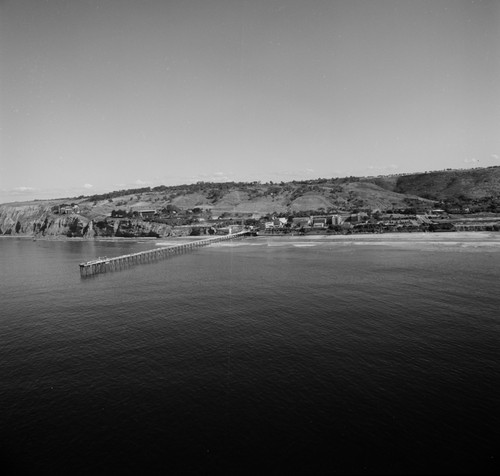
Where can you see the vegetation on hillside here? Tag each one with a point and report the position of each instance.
(151, 211)
(459, 191)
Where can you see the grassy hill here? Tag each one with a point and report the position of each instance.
(473, 190)
(447, 184)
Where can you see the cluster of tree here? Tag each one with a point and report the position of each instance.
(204, 187)
(462, 204)
(111, 195)
(122, 213)
(215, 194)
(170, 209)
(75, 228)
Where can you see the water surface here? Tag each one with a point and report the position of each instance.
(274, 355)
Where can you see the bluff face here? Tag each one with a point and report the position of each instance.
(39, 220)
(110, 214)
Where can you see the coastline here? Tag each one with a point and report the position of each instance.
(488, 236)
(118, 239)
(435, 239)
(410, 237)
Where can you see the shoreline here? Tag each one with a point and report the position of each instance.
(371, 237)
(451, 236)
(117, 239)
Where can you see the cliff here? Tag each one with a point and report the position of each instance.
(38, 220)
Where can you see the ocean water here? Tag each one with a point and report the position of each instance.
(265, 355)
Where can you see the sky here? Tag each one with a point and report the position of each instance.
(102, 95)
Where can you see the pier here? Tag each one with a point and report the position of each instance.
(104, 265)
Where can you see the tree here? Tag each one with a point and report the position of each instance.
(171, 208)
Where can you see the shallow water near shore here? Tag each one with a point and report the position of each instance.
(355, 354)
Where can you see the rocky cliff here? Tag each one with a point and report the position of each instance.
(38, 220)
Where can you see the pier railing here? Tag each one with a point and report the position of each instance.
(104, 265)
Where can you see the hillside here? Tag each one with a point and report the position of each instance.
(118, 213)
(469, 184)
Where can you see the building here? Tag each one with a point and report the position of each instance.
(358, 217)
(147, 213)
(319, 222)
(326, 220)
(67, 209)
(301, 222)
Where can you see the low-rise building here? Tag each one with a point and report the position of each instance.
(64, 209)
(319, 222)
(269, 225)
(147, 213)
(299, 222)
(358, 217)
(338, 218)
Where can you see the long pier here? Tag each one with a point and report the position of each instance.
(104, 265)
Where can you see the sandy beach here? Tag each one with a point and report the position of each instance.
(461, 238)
(452, 241)
(411, 237)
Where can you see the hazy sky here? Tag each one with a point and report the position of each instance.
(99, 95)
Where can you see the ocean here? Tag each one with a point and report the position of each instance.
(267, 355)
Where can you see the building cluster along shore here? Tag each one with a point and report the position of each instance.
(337, 223)
(71, 222)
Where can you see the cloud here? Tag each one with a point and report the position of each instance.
(383, 168)
(88, 185)
(211, 177)
(17, 194)
(220, 177)
(495, 156)
(290, 174)
(140, 182)
(472, 160)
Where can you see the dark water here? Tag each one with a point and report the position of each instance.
(265, 356)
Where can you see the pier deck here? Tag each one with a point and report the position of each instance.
(104, 265)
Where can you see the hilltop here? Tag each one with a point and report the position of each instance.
(124, 212)
(469, 187)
